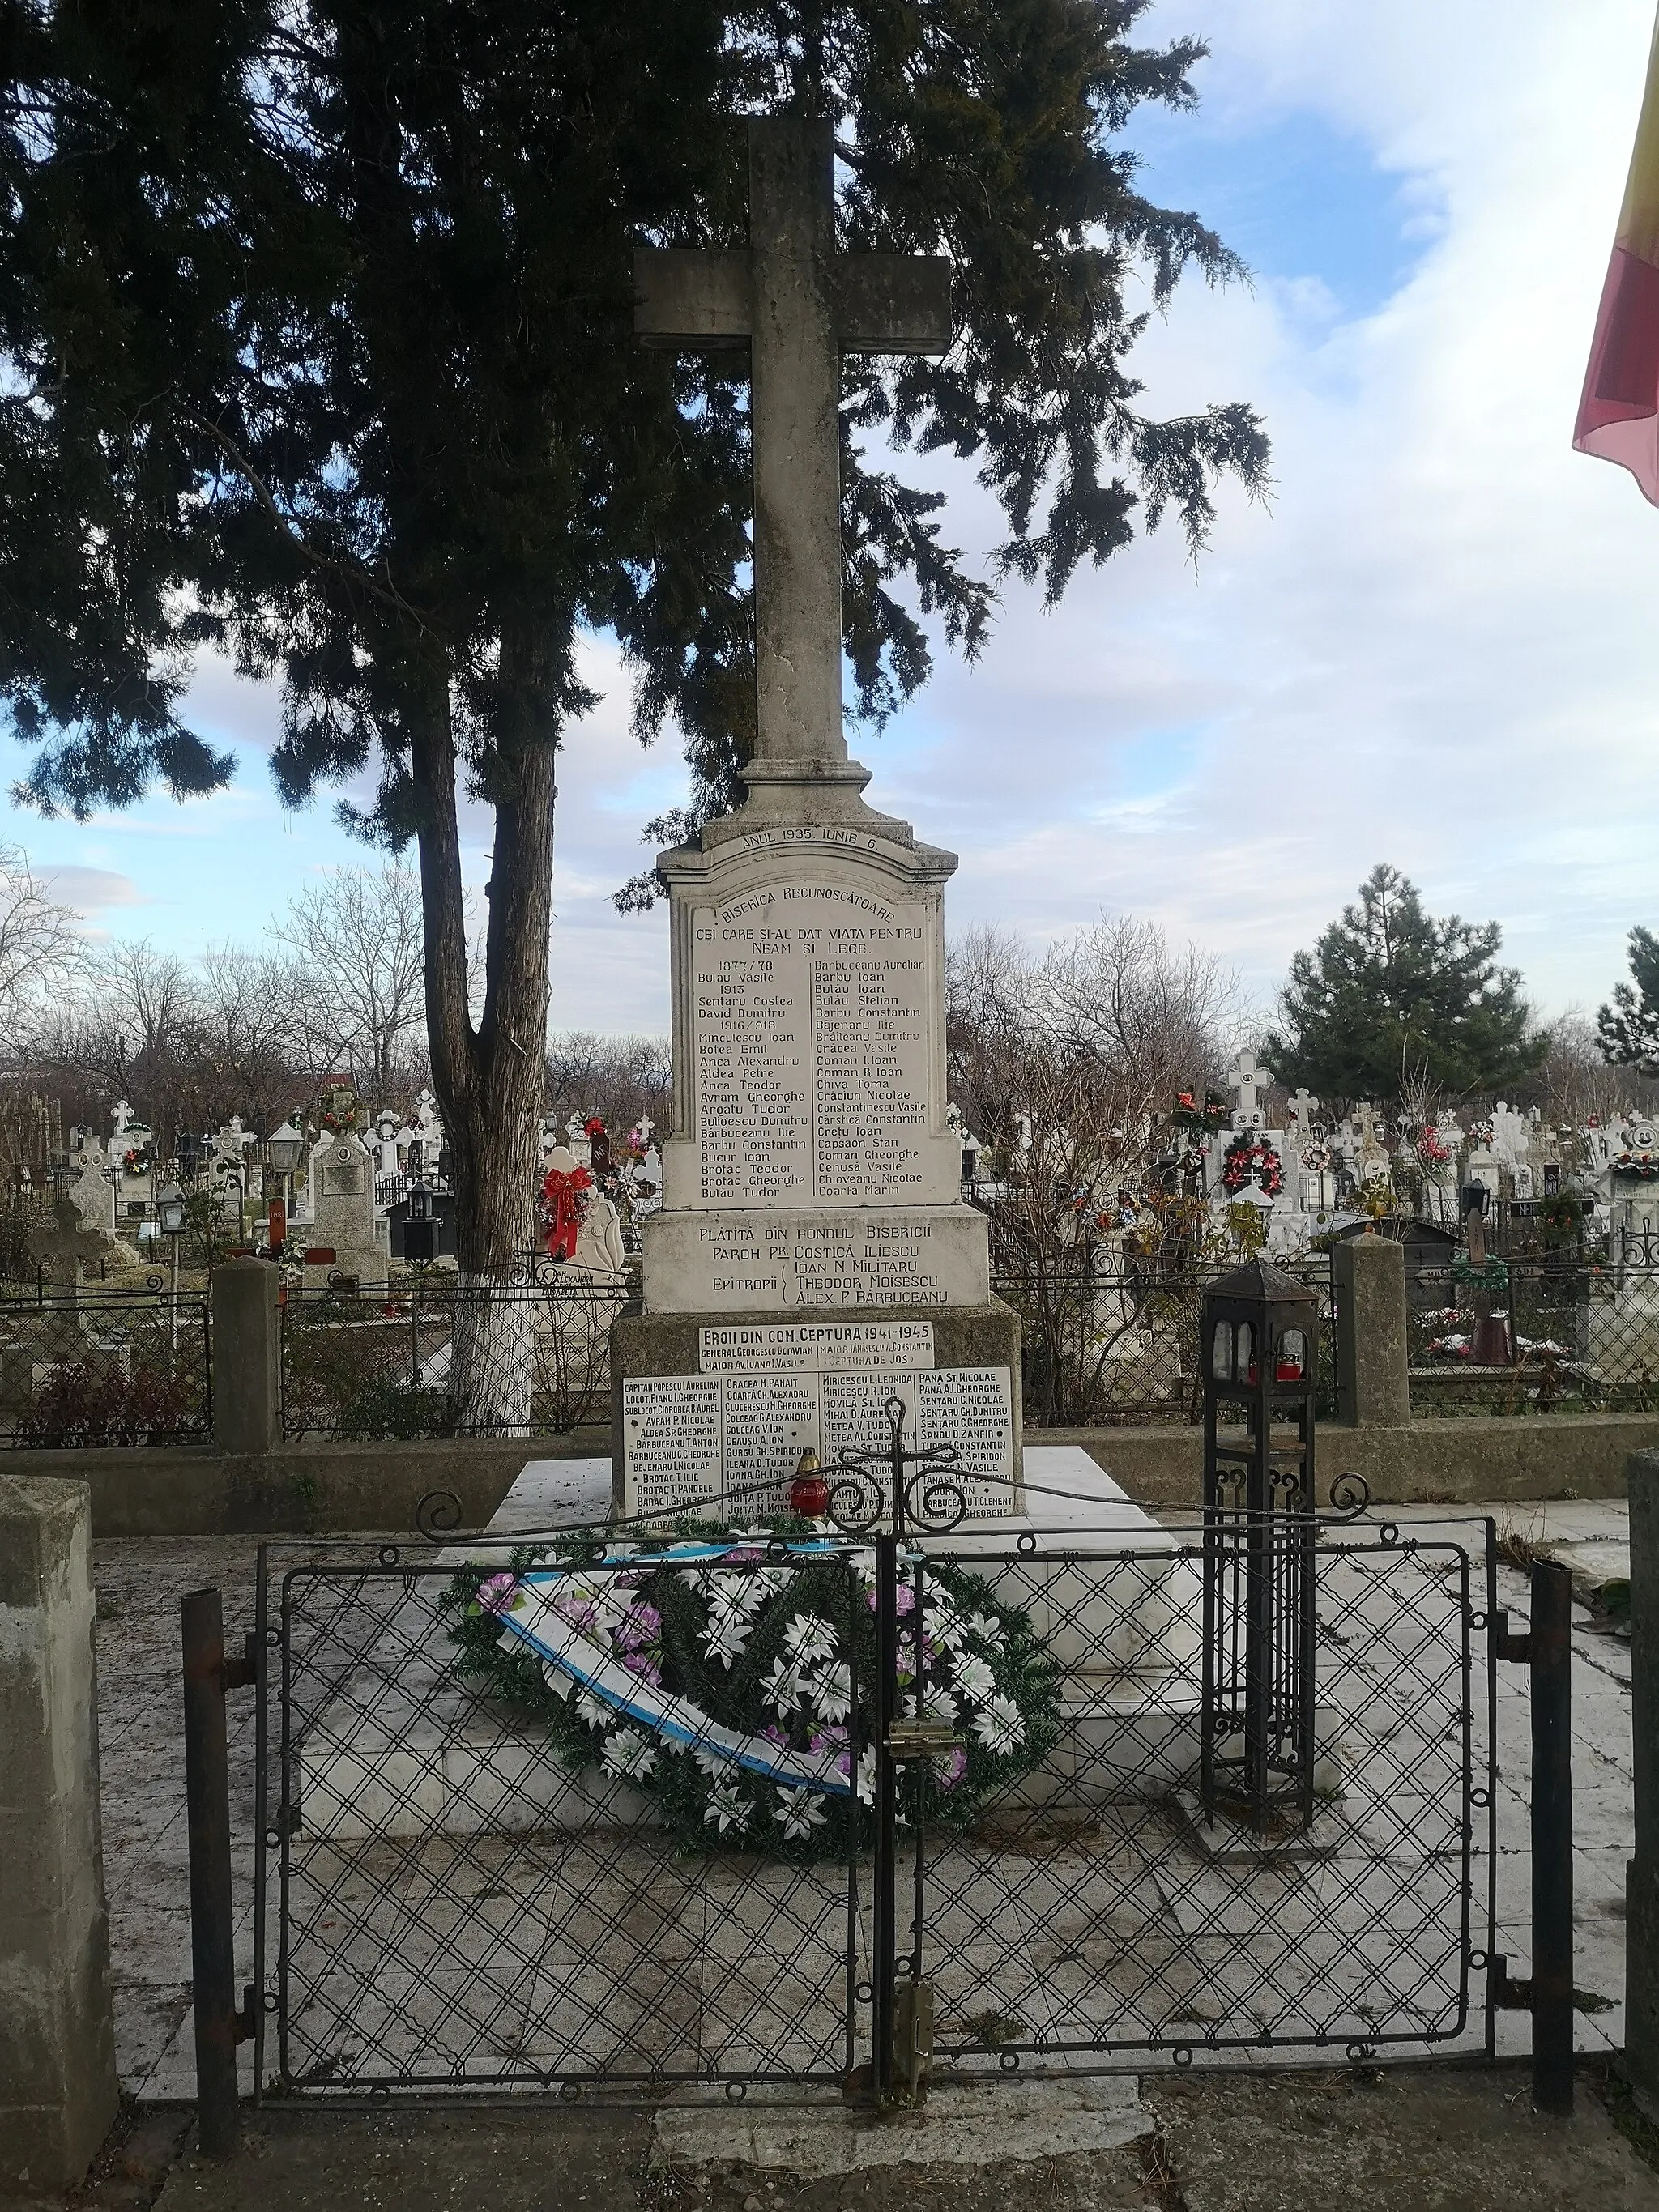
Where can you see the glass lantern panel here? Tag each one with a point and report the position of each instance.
(1221, 1352)
(1292, 1362)
(1244, 1357)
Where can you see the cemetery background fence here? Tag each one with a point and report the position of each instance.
(108, 1367)
(437, 1357)
(442, 1907)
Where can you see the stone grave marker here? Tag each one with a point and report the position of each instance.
(811, 1186)
(344, 1219)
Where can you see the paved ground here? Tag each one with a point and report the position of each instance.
(140, 1583)
(1404, 2141)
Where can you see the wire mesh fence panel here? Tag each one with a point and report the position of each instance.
(519, 1358)
(483, 1870)
(1094, 1914)
(1564, 1333)
(106, 1368)
(1119, 1348)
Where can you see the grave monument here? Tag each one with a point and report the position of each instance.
(812, 1255)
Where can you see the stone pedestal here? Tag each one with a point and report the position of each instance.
(248, 1381)
(1373, 1389)
(58, 2091)
(813, 1256)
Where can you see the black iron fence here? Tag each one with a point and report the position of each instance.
(105, 1367)
(1521, 1336)
(1118, 1346)
(435, 1358)
(512, 1831)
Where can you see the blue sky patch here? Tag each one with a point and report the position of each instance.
(1296, 198)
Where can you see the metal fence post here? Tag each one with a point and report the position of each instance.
(1547, 1650)
(1551, 1837)
(220, 2026)
(883, 1930)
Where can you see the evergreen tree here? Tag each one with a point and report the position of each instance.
(1628, 1031)
(1390, 998)
(317, 326)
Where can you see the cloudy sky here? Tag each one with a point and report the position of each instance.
(1438, 645)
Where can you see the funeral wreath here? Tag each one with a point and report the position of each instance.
(729, 1677)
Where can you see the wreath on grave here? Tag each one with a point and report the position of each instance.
(1248, 1159)
(1316, 1158)
(1491, 1274)
(728, 1676)
(1641, 1167)
(136, 1160)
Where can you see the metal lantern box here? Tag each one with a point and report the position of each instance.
(1258, 1345)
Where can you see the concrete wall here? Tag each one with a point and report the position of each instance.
(58, 2091)
(1433, 1463)
(195, 1491)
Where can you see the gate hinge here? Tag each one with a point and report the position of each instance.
(917, 1739)
(1517, 1647)
(243, 1672)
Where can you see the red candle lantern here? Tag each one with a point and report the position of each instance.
(809, 1493)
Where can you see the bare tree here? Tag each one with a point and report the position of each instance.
(1575, 1081)
(41, 946)
(358, 936)
(620, 1077)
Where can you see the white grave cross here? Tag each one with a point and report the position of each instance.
(1243, 1083)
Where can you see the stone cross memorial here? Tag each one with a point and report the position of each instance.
(812, 1256)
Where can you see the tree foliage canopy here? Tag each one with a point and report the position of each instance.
(317, 329)
(1628, 1030)
(1391, 998)
(319, 317)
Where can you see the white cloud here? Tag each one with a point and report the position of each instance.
(1439, 645)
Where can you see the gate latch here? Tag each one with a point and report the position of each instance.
(920, 1739)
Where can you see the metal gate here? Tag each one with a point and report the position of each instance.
(475, 1872)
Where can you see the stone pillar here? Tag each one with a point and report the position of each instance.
(1368, 1275)
(58, 2091)
(1642, 1880)
(247, 1387)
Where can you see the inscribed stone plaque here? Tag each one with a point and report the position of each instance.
(813, 1347)
(703, 1260)
(810, 1026)
(739, 1433)
(672, 1440)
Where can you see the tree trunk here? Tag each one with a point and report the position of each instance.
(489, 1079)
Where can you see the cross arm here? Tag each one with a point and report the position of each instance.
(892, 302)
(686, 299)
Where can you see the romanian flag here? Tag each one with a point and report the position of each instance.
(1619, 413)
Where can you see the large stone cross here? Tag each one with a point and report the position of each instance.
(64, 1249)
(798, 305)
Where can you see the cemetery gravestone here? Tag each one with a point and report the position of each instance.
(812, 1189)
(343, 1220)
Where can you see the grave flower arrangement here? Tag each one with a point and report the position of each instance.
(136, 1160)
(1642, 1166)
(1433, 1150)
(729, 1677)
(1248, 1159)
(1202, 1120)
